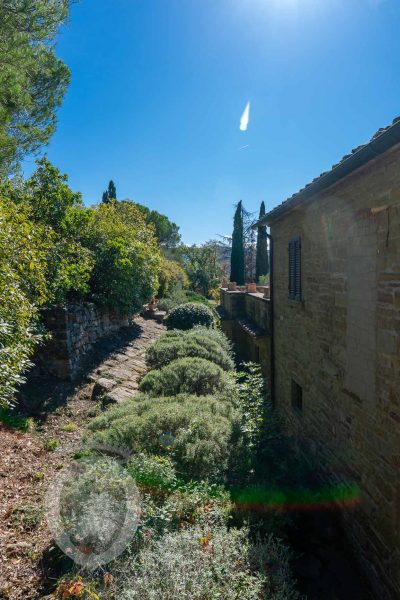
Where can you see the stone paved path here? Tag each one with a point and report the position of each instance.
(117, 377)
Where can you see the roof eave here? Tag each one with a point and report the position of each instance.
(376, 147)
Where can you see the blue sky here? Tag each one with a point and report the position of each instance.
(158, 88)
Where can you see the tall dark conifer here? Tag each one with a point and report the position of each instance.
(112, 190)
(237, 255)
(110, 193)
(262, 260)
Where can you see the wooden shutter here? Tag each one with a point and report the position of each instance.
(292, 270)
(297, 282)
(294, 287)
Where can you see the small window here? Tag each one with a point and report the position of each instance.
(295, 270)
(297, 396)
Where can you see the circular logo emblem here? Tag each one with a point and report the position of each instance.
(92, 509)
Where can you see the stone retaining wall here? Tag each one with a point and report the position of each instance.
(73, 329)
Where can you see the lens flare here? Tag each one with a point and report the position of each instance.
(298, 499)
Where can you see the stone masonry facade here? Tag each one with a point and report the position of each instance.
(341, 345)
(245, 319)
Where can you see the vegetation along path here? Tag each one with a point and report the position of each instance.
(30, 456)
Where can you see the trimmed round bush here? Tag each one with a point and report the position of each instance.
(214, 334)
(185, 375)
(209, 332)
(197, 436)
(166, 349)
(188, 315)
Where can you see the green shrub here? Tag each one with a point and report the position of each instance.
(51, 444)
(166, 349)
(170, 277)
(14, 420)
(93, 503)
(199, 502)
(177, 296)
(167, 503)
(167, 304)
(188, 315)
(69, 427)
(26, 516)
(152, 472)
(185, 375)
(266, 448)
(196, 435)
(209, 332)
(202, 564)
(198, 299)
(23, 287)
(214, 334)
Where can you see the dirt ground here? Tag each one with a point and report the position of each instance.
(29, 461)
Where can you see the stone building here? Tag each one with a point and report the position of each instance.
(336, 338)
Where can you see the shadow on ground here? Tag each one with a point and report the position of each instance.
(42, 395)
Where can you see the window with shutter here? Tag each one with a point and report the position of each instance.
(295, 270)
(297, 397)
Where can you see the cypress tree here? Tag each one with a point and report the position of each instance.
(262, 260)
(237, 255)
(112, 191)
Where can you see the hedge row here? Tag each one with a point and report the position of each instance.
(184, 434)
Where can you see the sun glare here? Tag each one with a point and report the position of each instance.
(283, 6)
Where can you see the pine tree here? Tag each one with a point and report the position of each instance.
(262, 260)
(105, 198)
(112, 191)
(237, 255)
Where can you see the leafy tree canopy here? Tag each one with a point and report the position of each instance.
(53, 250)
(48, 201)
(167, 232)
(171, 277)
(126, 257)
(32, 79)
(49, 195)
(202, 266)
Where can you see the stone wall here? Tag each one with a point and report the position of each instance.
(73, 329)
(341, 344)
(245, 319)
